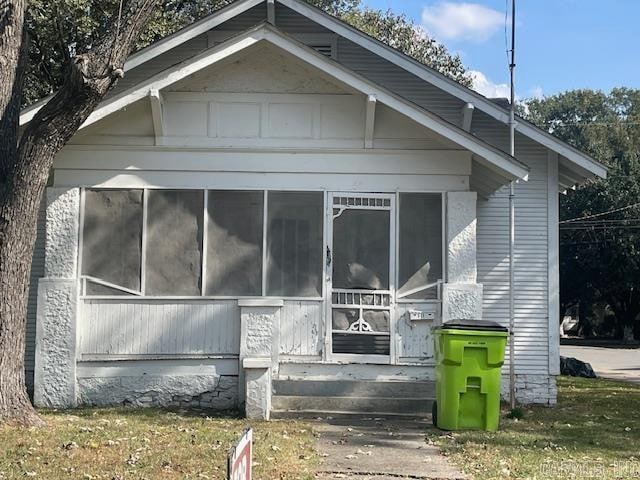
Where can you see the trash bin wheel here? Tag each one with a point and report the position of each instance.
(434, 414)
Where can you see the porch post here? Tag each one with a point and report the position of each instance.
(462, 295)
(55, 362)
(259, 348)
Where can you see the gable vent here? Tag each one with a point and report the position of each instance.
(324, 49)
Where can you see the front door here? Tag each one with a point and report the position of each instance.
(360, 277)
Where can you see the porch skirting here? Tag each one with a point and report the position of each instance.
(216, 392)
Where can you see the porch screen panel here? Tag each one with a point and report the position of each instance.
(112, 240)
(234, 243)
(294, 244)
(174, 242)
(361, 249)
(421, 240)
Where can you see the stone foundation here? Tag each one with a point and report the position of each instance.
(532, 389)
(213, 392)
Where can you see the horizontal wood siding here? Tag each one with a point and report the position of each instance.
(292, 22)
(531, 252)
(124, 328)
(400, 81)
(161, 62)
(301, 332)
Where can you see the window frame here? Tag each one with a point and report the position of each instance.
(443, 241)
(145, 198)
(142, 295)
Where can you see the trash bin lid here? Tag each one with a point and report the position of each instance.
(473, 325)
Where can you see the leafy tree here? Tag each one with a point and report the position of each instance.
(55, 26)
(402, 34)
(600, 256)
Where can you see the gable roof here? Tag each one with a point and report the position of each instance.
(446, 84)
(486, 154)
(577, 165)
(428, 74)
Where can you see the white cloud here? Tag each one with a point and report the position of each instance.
(537, 92)
(486, 87)
(462, 21)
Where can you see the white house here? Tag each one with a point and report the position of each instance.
(274, 209)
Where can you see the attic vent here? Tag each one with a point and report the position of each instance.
(324, 49)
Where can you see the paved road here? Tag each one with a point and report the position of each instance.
(374, 449)
(616, 363)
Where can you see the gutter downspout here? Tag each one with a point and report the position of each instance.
(512, 215)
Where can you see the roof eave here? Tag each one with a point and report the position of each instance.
(443, 82)
(499, 161)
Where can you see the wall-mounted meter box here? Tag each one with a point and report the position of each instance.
(417, 315)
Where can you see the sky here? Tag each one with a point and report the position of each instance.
(560, 44)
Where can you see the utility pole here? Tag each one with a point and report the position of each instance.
(512, 212)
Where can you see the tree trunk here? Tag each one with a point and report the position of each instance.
(14, 270)
(25, 167)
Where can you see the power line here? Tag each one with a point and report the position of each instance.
(600, 214)
(554, 123)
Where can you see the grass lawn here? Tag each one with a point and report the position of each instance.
(594, 432)
(150, 444)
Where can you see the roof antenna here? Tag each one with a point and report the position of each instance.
(512, 212)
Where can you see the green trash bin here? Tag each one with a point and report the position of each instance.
(469, 358)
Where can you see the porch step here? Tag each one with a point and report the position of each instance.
(344, 398)
(348, 417)
(353, 388)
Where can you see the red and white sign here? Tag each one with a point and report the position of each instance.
(240, 458)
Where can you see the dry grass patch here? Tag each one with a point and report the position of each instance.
(150, 444)
(594, 432)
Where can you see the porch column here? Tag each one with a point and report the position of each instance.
(55, 362)
(259, 347)
(462, 295)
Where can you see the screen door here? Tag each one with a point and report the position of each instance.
(361, 276)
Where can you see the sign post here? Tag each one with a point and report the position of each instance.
(240, 458)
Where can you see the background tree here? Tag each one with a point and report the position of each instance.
(403, 34)
(55, 26)
(600, 255)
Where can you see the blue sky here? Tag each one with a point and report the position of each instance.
(561, 44)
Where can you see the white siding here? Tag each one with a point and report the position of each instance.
(531, 255)
(121, 328)
(301, 329)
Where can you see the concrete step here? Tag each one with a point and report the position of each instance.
(348, 388)
(369, 405)
(349, 418)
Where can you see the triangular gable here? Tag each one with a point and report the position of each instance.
(576, 165)
(587, 165)
(491, 157)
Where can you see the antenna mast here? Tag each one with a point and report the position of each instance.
(512, 212)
